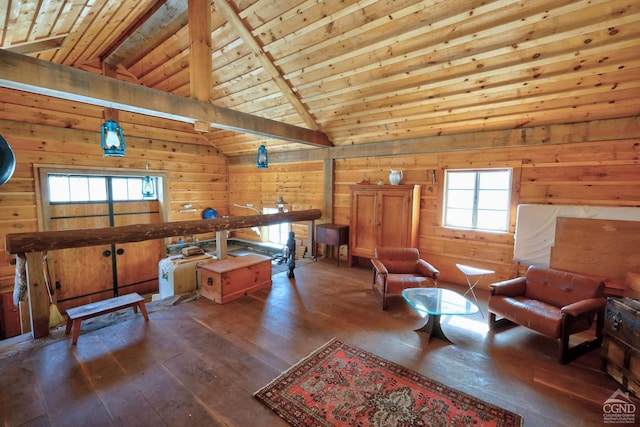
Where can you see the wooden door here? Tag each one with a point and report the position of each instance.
(363, 226)
(137, 262)
(10, 325)
(82, 275)
(95, 273)
(394, 216)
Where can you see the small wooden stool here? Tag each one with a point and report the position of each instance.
(87, 311)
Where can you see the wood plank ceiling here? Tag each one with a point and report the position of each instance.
(359, 71)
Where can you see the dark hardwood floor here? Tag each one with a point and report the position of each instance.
(198, 363)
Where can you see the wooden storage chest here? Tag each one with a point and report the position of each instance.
(621, 346)
(230, 278)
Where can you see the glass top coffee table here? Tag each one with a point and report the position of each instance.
(436, 302)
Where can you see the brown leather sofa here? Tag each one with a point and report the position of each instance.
(395, 269)
(555, 303)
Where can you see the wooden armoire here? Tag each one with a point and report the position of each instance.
(382, 215)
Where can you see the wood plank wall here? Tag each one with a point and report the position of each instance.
(299, 184)
(47, 131)
(43, 130)
(602, 173)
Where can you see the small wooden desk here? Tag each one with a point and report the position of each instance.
(332, 235)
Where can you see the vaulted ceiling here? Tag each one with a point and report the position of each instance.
(357, 71)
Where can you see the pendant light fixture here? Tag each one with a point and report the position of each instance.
(112, 139)
(148, 187)
(263, 158)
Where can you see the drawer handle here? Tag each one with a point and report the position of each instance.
(617, 321)
(210, 281)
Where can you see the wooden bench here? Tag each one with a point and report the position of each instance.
(87, 311)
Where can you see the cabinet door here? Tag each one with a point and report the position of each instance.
(364, 228)
(394, 218)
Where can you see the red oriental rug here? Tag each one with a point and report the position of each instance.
(342, 385)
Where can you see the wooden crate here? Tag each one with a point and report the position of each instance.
(230, 278)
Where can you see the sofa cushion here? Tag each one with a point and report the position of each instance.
(534, 314)
(560, 288)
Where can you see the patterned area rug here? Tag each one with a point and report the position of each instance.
(342, 385)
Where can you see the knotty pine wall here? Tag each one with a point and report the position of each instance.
(48, 131)
(299, 184)
(605, 173)
(598, 173)
(44, 130)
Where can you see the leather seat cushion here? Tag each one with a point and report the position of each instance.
(534, 314)
(397, 282)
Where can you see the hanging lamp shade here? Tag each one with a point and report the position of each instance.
(112, 139)
(263, 158)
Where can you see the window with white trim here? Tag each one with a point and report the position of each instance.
(477, 199)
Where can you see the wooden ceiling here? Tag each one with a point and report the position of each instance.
(358, 71)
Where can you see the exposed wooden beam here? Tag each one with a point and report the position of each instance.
(43, 241)
(37, 46)
(200, 49)
(122, 38)
(265, 60)
(597, 130)
(32, 75)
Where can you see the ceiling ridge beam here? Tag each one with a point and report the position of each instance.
(33, 75)
(247, 37)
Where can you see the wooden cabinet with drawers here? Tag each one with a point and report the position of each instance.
(382, 215)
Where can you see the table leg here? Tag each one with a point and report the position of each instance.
(433, 328)
(471, 286)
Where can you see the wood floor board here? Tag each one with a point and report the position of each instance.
(199, 362)
(20, 399)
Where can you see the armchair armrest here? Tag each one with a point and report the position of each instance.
(510, 288)
(379, 267)
(427, 269)
(581, 307)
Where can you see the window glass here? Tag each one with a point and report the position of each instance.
(59, 188)
(478, 199)
(88, 188)
(79, 188)
(97, 189)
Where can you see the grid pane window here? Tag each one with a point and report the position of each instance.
(88, 188)
(478, 199)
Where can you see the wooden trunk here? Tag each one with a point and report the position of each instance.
(621, 349)
(230, 278)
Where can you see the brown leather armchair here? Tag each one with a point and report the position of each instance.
(395, 269)
(554, 303)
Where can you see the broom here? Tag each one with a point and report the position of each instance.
(55, 318)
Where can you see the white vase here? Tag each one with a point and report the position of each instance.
(395, 176)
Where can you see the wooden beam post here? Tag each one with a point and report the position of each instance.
(38, 295)
(200, 49)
